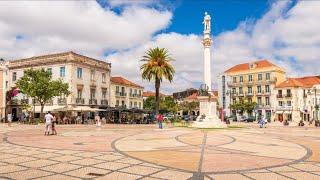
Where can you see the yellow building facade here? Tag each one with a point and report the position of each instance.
(254, 82)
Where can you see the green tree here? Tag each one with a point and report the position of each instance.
(149, 103)
(189, 106)
(38, 84)
(157, 66)
(249, 107)
(167, 104)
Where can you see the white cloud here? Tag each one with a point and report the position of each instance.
(83, 26)
(287, 35)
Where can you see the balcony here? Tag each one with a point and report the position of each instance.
(135, 95)
(93, 101)
(49, 102)
(104, 102)
(62, 101)
(122, 94)
(288, 95)
(279, 96)
(80, 101)
(240, 94)
(260, 93)
(284, 108)
(249, 94)
(267, 93)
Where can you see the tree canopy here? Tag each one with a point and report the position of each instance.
(38, 84)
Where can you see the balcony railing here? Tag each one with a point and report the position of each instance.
(93, 101)
(49, 102)
(80, 101)
(288, 95)
(104, 102)
(121, 94)
(284, 108)
(279, 96)
(135, 95)
(62, 101)
(270, 81)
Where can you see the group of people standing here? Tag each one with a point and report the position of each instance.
(50, 121)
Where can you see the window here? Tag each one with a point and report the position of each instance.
(130, 104)
(288, 91)
(267, 101)
(122, 103)
(240, 90)
(233, 90)
(49, 70)
(280, 103)
(117, 103)
(92, 93)
(103, 77)
(250, 90)
(234, 79)
(104, 93)
(79, 93)
(139, 93)
(14, 76)
(288, 103)
(139, 105)
(92, 72)
(135, 92)
(79, 73)
(267, 76)
(117, 89)
(280, 92)
(267, 88)
(250, 78)
(259, 101)
(259, 77)
(122, 90)
(135, 104)
(130, 91)
(62, 71)
(241, 78)
(259, 89)
(234, 101)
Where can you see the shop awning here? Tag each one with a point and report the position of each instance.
(287, 112)
(46, 108)
(279, 112)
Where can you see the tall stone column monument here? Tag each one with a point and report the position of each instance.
(208, 102)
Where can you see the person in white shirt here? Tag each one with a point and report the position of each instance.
(9, 117)
(48, 122)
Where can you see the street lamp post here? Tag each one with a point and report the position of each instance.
(316, 103)
(229, 94)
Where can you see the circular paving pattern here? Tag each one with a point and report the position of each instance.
(137, 152)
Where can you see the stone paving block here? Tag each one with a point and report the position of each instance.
(228, 176)
(65, 158)
(119, 176)
(301, 175)
(67, 152)
(141, 170)
(129, 161)
(84, 172)
(108, 157)
(61, 167)
(38, 163)
(28, 174)
(6, 156)
(263, 176)
(150, 178)
(58, 177)
(283, 169)
(87, 154)
(152, 165)
(306, 167)
(112, 165)
(19, 159)
(45, 155)
(50, 150)
(171, 174)
(86, 162)
(11, 168)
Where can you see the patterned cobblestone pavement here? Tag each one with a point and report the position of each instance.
(144, 152)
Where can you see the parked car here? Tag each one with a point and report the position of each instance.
(250, 119)
(231, 118)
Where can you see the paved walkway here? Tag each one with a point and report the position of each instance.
(144, 152)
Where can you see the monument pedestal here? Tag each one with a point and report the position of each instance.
(208, 114)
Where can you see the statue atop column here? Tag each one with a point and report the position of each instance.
(207, 23)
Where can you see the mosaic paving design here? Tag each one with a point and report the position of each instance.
(144, 152)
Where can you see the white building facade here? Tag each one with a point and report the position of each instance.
(88, 79)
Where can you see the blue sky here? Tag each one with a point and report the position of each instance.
(286, 32)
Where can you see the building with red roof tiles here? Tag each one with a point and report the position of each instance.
(147, 94)
(125, 93)
(252, 82)
(296, 99)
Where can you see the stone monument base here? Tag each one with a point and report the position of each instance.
(208, 114)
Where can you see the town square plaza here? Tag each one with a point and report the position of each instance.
(145, 152)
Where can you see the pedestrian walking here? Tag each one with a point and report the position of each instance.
(48, 122)
(53, 126)
(9, 118)
(98, 120)
(160, 120)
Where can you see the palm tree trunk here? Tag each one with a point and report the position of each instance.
(157, 87)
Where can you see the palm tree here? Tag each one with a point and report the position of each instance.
(157, 66)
